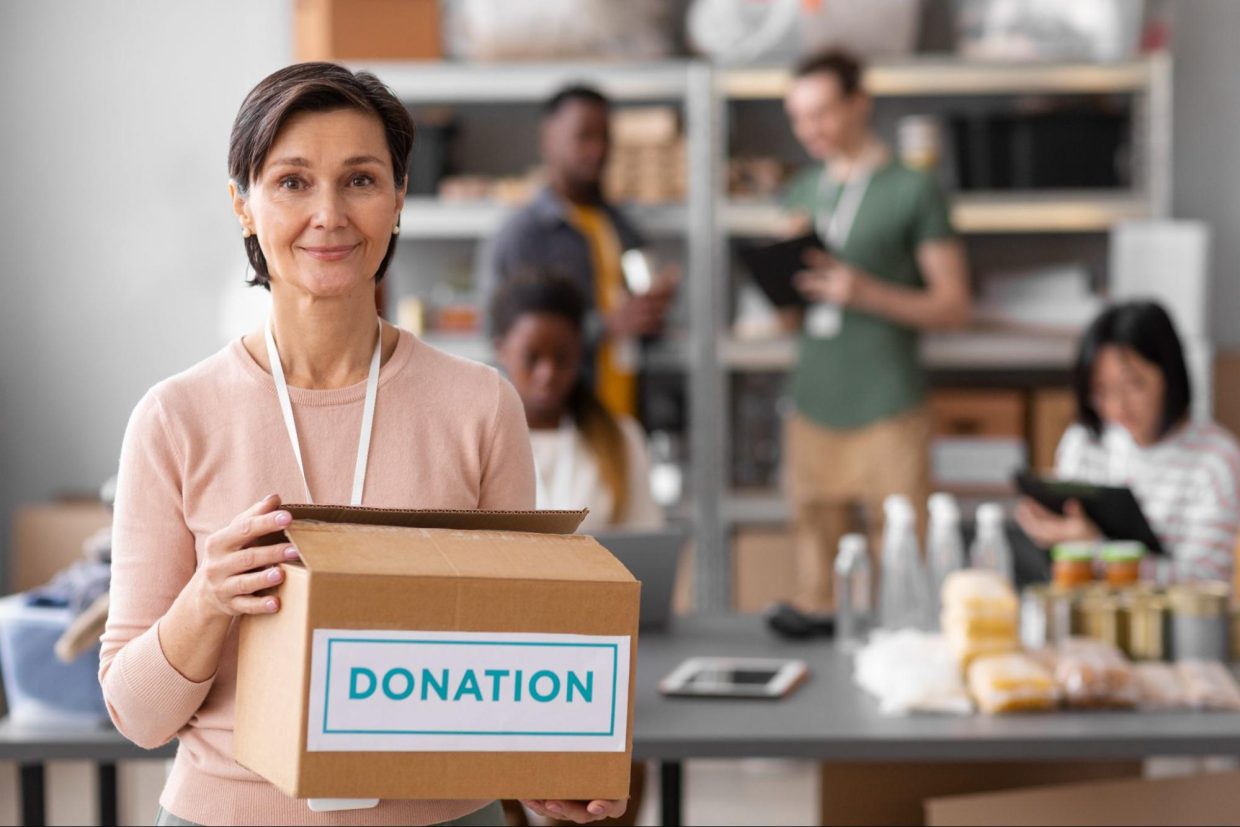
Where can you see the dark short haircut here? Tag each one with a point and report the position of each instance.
(311, 87)
(536, 291)
(1145, 328)
(844, 67)
(579, 93)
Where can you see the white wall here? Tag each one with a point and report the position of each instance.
(117, 244)
(116, 234)
(1207, 150)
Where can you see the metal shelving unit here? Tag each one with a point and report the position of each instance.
(708, 219)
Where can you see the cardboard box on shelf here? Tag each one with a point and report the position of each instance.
(47, 537)
(1054, 410)
(978, 413)
(441, 655)
(1211, 798)
(764, 567)
(367, 30)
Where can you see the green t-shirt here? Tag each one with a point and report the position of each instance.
(869, 371)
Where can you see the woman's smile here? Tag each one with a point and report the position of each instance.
(334, 252)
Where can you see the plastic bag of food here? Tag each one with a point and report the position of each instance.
(1092, 674)
(1011, 683)
(980, 615)
(1209, 685)
(910, 671)
(1160, 686)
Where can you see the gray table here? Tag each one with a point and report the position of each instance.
(32, 747)
(829, 718)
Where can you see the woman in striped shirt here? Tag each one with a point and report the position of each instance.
(1133, 397)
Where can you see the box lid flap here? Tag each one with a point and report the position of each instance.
(343, 548)
(539, 522)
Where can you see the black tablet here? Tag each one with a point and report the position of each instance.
(774, 267)
(1114, 510)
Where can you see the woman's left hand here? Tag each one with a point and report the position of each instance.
(579, 812)
(1047, 529)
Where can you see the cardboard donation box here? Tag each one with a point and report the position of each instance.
(421, 654)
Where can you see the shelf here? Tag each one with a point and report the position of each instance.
(454, 83)
(764, 507)
(425, 218)
(672, 353)
(952, 76)
(754, 507)
(981, 213)
(963, 350)
(473, 346)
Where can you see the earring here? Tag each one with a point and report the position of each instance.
(245, 232)
(396, 230)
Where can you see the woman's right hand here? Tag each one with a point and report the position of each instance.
(232, 570)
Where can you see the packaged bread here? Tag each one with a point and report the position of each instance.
(979, 592)
(1208, 685)
(1092, 674)
(981, 615)
(1160, 686)
(1011, 682)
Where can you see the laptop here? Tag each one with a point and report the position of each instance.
(652, 557)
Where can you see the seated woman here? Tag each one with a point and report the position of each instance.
(1133, 397)
(585, 456)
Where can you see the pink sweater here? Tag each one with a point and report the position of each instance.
(203, 446)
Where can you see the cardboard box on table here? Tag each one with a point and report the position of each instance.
(360, 686)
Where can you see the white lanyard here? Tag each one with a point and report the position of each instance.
(835, 227)
(368, 415)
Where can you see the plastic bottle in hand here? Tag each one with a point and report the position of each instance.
(904, 601)
(944, 543)
(854, 591)
(990, 548)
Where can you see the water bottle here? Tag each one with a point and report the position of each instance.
(854, 591)
(990, 549)
(904, 602)
(944, 543)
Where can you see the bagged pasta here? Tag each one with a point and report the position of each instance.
(1160, 686)
(1092, 674)
(1208, 685)
(1011, 682)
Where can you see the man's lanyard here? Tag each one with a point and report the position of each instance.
(368, 415)
(835, 225)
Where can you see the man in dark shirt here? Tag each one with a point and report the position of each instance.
(569, 228)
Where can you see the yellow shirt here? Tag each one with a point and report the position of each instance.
(616, 383)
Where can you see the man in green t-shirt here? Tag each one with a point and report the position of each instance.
(861, 427)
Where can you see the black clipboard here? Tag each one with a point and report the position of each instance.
(774, 266)
(1114, 510)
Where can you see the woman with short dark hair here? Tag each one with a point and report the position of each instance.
(326, 404)
(1133, 397)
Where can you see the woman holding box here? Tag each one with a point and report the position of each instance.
(326, 404)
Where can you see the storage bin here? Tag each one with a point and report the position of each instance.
(40, 689)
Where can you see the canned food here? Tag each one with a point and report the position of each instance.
(1148, 622)
(1199, 621)
(1123, 563)
(1073, 565)
(1235, 634)
(1100, 615)
(1045, 616)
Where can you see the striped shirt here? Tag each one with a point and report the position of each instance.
(1188, 485)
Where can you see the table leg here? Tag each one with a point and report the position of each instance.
(108, 815)
(33, 813)
(671, 787)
